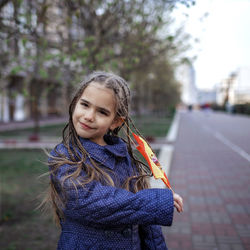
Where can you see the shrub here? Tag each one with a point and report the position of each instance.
(242, 108)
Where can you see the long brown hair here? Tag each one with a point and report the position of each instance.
(77, 154)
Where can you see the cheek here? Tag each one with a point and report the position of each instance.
(75, 116)
(103, 121)
(76, 111)
(74, 121)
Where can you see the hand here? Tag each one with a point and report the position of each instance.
(178, 202)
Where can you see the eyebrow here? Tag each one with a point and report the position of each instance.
(100, 108)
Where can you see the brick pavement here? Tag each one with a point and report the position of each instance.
(215, 184)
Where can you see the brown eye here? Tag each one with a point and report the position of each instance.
(103, 112)
(84, 104)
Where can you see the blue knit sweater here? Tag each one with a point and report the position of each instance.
(99, 216)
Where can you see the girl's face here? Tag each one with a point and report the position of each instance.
(95, 113)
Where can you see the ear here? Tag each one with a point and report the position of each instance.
(118, 121)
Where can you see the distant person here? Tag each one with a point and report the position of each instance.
(98, 190)
(190, 107)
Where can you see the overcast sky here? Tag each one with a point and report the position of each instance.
(224, 36)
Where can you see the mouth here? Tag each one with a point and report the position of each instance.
(85, 126)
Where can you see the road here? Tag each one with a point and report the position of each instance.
(211, 170)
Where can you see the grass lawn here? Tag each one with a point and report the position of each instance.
(21, 226)
(153, 126)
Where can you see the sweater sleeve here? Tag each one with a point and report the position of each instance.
(106, 205)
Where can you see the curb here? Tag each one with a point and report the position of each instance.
(174, 128)
(27, 145)
(166, 152)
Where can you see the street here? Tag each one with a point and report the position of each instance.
(211, 170)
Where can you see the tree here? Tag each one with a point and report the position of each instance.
(55, 43)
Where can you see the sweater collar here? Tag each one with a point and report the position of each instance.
(107, 154)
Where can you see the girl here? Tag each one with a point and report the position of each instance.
(98, 189)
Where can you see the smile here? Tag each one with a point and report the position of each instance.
(85, 126)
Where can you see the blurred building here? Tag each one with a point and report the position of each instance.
(235, 89)
(185, 75)
(221, 92)
(206, 97)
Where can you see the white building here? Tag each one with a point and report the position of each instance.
(185, 75)
(239, 91)
(206, 97)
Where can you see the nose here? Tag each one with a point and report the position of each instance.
(89, 115)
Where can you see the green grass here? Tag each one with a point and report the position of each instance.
(153, 125)
(24, 227)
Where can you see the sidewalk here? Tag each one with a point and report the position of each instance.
(24, 143)
(214, 182)
(9, 126)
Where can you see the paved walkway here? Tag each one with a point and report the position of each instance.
(211, 170)
(10, 126)
(25, 143)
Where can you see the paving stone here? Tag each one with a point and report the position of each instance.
(241, 218)
(235, 208)
(247, 207)
(218, 208)
(210, 239)
(231, 247)
(200, 216)
(204, 242)
(228, 239)
(224, 230)
(178, 227)
(220, 217)
(246, 240)
(179, 241)
(204, 246)
(213, 200)
(202, 228)
(247, 246)
(243, 230)
(198, 208)
(238, 247)
(197, 200)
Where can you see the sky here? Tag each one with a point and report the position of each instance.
(224, 38)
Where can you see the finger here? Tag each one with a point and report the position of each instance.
(181, 205)
(180, 202)
(177, 206)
